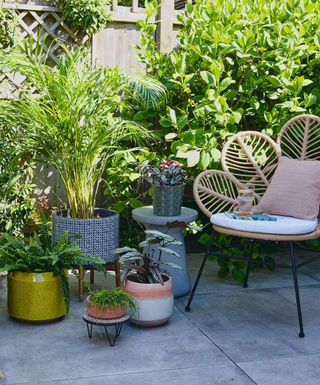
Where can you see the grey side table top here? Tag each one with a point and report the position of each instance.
(145, 215)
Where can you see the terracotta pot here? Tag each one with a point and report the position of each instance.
(105, 312)
(154, 301)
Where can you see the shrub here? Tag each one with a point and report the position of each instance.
(90, 15)
(238, 65)
(16, 173)
(7, 28)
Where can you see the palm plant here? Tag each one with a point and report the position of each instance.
(74, 118)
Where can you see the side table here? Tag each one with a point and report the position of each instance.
(144, 215)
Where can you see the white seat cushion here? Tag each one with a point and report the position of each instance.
(283, 225)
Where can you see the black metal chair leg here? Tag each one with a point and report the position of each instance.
(296, 288)
(187, 308)
(249, 260)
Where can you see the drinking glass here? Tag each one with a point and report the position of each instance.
(245, 200)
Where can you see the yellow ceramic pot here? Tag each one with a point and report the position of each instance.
(35, 296)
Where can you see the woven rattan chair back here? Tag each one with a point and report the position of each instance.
(247, 157)
(299, 138)
(251, 157)
(216, 191)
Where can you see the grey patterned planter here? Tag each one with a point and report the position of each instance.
(99, 237)
(167, 200)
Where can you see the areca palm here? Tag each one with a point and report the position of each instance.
(74, 119)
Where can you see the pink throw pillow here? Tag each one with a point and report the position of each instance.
(294, 190)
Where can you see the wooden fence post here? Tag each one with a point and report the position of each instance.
(164, 33)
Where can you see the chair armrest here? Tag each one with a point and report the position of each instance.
(216, 191)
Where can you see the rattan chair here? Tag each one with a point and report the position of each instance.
(252, 157)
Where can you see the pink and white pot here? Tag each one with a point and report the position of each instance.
(105, 312)
(154, 301)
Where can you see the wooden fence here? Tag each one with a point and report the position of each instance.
(113, 46)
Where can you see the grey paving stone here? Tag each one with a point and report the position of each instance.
(257, 324)
(32, 353)
(218, 375)
(256, 327)
(301, 370)
(259, 278)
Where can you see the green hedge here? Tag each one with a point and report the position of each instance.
(16, 174)
(238, 65)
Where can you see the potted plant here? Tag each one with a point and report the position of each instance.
(168, 181)
(144, 280)
(76, 125)
(38, 288)
(108, 304)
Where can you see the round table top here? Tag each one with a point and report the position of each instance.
(145, 215)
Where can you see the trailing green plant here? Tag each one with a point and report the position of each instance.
(7, 28)
(144, 266)
(37, 254)
(238, 65)
(90, 15)
(75, 123)
(112, 299)
(16, 187)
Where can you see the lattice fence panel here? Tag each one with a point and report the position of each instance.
(34, 19)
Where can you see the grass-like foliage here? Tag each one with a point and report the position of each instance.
(74, 122)
(145, 266)
(38, 255)
(112, 299)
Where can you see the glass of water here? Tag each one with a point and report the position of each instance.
(245, 200)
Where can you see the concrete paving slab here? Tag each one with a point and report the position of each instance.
(31, 353)
(258, 323)
(226, 374)
(255, 327)
(299, 370)
(259, 278)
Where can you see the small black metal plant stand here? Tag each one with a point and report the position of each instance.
(115, 323)
(211, 250)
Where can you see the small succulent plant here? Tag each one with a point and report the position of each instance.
(169, 173)
(144, 266)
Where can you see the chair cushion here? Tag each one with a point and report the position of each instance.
(294, 190)
(283, 225)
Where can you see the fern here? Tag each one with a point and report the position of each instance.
(38, 255)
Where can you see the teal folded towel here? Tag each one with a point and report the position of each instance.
(252, 217)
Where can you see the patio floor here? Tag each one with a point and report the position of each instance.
(231, 336)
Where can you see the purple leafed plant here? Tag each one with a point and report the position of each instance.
(168, 173)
